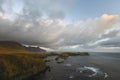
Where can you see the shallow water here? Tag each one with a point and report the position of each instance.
(93, 67)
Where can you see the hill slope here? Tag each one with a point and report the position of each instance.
(17, 63)
(15, 47)
(11, 45)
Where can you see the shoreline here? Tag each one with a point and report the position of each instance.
(25, 65)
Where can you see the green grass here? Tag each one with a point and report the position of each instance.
(21, 66)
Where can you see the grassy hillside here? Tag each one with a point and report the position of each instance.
(20, 66)
(13, 47)
(17, 64)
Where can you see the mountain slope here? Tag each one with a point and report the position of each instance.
(11, 45)
(15, 47)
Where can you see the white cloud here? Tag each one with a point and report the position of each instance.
(35, 25)
(98, 42)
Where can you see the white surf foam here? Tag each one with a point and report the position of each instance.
(95, 71)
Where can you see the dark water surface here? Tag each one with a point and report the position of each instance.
(97, 66)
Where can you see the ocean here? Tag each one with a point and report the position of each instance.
(97, 66)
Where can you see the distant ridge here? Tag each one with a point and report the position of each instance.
(35, 49)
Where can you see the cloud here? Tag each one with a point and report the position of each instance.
(88, 31)
(110, 34)
(57, 15)
(29, 31)
(114, 42)
(37, 25)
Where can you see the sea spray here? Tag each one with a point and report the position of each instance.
(92, 71)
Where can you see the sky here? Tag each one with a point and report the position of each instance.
(62, 25)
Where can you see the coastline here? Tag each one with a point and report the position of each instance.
(25, 65)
